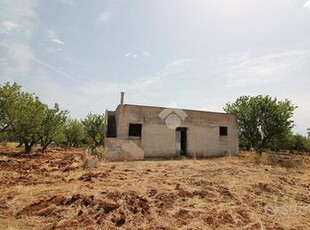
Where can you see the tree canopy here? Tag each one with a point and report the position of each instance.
(54, 119)
(24, 115)
(94, 129)
(74, 132)
(262, 120)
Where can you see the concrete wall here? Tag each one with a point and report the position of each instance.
(158, 140)
(122, 150)
(205, 141)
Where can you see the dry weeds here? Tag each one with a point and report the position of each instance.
(52, 191)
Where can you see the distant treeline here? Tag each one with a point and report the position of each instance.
(26, 120)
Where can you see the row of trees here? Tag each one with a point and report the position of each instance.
(266, 123)
(263, 122)
(25, 119)
(296, 142)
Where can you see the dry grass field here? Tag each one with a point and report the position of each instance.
(52, 191)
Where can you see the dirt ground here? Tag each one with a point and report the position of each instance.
(52, 191)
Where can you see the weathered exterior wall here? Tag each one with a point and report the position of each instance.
(157, 140)
(122, 150)
(205, 141)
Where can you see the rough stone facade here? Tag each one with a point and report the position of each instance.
(156, 132)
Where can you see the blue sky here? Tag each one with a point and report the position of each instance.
(197, 54)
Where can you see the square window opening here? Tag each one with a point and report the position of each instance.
(223, 131)
(135, 130)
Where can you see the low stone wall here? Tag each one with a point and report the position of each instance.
(122, 150)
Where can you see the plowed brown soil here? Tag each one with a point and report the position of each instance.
(51, 191)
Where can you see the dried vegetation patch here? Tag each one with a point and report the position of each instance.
(52, 191)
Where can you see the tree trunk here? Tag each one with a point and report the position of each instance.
(45, 145)
(20, 144)
(259, 151)
(28, 147)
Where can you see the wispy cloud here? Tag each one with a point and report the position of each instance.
(50, 91)
(56, 70)
(57, 41)
(19, 58)
(135, 55)
(138, 88)
(53, 37)
(131, 55)
(246, 70)
(307, 5)
(178, 66)
(8, 27)
(104, 17)
(180, 63)
(17, 23)
(172, 70)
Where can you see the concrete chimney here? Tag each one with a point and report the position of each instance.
(122, 98)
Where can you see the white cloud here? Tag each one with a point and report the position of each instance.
(20, 56)
(246, 70)
(104, 16)
(131, 55)
(307, 5)
(53, 37)
(180, 63)
(19, 10)
(8, 27)
(178, 66)
(57, 41)
(17, 19)
(134, 55)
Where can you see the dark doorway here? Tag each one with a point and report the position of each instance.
(111, 132)
(181, 141)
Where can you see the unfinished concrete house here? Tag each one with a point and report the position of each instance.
(135, 132)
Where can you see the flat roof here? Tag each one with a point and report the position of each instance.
(188, 110)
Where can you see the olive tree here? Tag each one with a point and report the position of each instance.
(94, 129)
(54, 120)
(9, 95)
(262, 120)
(26, 119)
(74, 132)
